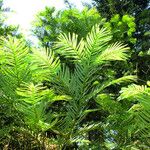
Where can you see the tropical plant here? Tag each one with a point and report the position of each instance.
(82, 83)
(140, 109)
(18, 78)
(51, 102)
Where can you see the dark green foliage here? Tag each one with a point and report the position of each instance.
(110, 7)
(140, 10)
(136, 8)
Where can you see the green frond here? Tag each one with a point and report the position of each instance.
(61, 82)
(65, 103)
(99, 88)
(32, 94)
(96, 40)
(124, 79)
(132, 91)
(33, 103)
(67, 83)
(113, 52)
(61, 97)
(141, 110)
(45, 64)
(15, 65)
(69, 47)
(35, 116)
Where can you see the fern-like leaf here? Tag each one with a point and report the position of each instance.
(45, 64)
(113, 52)
(69, 47)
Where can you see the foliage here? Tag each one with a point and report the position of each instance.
(111, 7)
(122, 28)
(74, 93)
(49, 24)
(140, 11)
(5, 29)
(139, 111)
(51, 102)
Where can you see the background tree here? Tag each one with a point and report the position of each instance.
(137, 8)
(5, 29)
(140, 10)
(50, 23)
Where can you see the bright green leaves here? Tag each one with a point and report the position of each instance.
(127, 18)
(74, 50)
(15, 65)
(33, 102)
(55, 96)
(44, 64)
(115, 18)
(132, 91)
(69, 47)
(129, 21)
(140, 110)
(89, 56)
(122, 28)
(97, 39)
(113, 52)
(15, 68)
(32, 94)
(35, 116)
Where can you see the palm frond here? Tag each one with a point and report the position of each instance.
(113, 52)
(100, 88)
(69, 47)
(33, 103)
(131, 91)
(32, 94)
(141, 110)
(129, 78)
(15, 65)
(96, 40)
(45, 64)
(61, 82)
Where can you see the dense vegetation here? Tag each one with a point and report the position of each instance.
(86, 86)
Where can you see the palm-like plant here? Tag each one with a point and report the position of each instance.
(140, 109)
(21, 90)
(82, 83)
(22, 74)
(14, 70)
